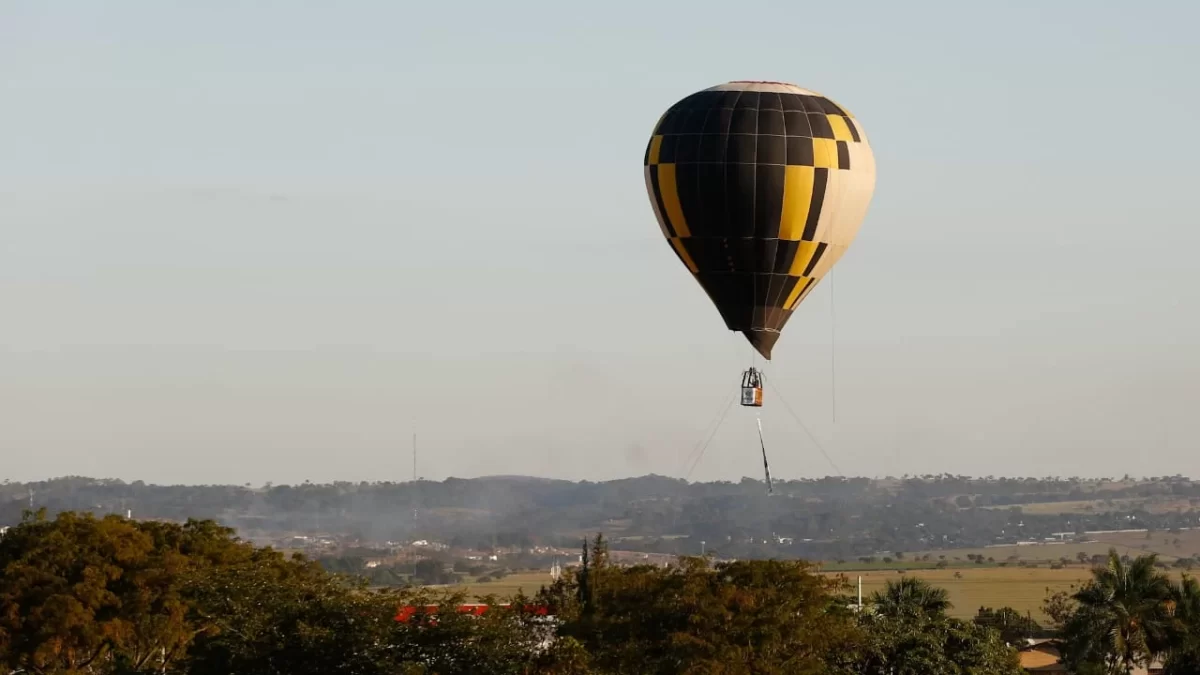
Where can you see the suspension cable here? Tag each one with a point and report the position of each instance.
(805, 428)
(701, 449)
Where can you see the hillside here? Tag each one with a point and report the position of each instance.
(831, 518)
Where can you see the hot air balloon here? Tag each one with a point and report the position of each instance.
(759, 187)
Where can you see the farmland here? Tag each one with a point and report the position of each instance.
(970, 588)
(1087, 506)
(1020, 588)
(528, 582)
(1169, 547)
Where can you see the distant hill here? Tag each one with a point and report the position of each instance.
(521, 479)
(829, 518)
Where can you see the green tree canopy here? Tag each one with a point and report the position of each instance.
(111, 596)
(910, 597)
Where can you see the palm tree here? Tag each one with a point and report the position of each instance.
(1185, 598)
(911, 597)
(1185, 609)
(1124, 616)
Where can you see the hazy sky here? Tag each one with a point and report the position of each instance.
(266, 241)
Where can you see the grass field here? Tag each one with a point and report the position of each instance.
(1162, 543)
(1020, 588)
(1152, 505)
(1041, 553)
(970, 586)
(528, 582)
(1168, 546)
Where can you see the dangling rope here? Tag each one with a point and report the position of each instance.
(832, 353)
(766, 467)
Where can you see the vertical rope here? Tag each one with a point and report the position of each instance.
(766, 467)
(832, 352)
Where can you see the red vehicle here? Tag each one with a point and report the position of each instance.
(476, 609)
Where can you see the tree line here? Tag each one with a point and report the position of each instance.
(822, 519)
(112, 596)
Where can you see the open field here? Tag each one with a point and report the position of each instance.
(1023, 589)
(1168, 546)
(970, 588)
(1161, 542)
(970, 585)
(1020, 588)
(1151, 505)
(854, 566)
(1039, 553)
(529, 582)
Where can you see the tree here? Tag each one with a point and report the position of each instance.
(908, 633)
(80, 594)
(428, 571)
(741, 617)
(1013, 626)
(110, 596)
(908, 645)
(1123, 616)
(1184, 656)
(1059, 606)
(115, 597)
(271, 615)
(910, 597)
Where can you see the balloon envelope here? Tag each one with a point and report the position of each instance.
(759, 187)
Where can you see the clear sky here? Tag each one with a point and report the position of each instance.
(266, 241)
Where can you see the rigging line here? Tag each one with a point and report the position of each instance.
(832, 353)
(806, 431)
(724, 407)
(728, 405)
